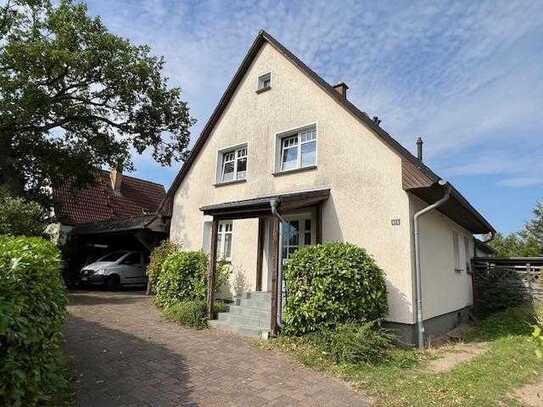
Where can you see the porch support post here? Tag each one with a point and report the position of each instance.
(212, 268)
(318, 224)
(274, 273)
(260, 253)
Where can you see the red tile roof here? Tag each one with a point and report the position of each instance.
(99, 202)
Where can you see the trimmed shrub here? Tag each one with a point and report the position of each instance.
(183, 278)
(20, 217)
(32, 301)
(191, 313)
(158, 257)
(330, 284)
(358, 343)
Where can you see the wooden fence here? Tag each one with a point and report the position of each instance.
(499, 283)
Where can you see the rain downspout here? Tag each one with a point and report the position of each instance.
(274, 203)
(418, 269)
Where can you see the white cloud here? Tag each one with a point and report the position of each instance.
(464, 75)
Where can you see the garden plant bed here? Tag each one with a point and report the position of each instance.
(489, 378)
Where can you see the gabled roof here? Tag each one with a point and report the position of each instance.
(416, 176)
(99, 202)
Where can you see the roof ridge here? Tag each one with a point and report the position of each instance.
(106, 172)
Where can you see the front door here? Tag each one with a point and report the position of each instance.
(297, 232)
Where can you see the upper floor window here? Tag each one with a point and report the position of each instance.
(299, 149)
(264, 82)
(234, 165)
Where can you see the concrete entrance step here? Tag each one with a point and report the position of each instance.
(239, 330)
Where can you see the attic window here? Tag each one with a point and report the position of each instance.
(264, 82)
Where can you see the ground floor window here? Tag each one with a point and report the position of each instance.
(224, 240)
(295, 233)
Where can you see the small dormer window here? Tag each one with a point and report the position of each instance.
(264, 82)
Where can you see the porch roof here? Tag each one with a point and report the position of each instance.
(261, 206)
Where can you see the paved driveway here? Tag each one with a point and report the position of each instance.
(124, 354)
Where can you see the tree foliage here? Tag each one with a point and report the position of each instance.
(526, 243)
(74, 97)
(533, 230)
(20, 217)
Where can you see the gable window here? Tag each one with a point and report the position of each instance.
(299, 149)
(224, 240)
(264, 82)
(456, 249)
(234, 165)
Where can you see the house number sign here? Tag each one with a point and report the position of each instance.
(395, 222)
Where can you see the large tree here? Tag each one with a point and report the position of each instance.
(526, 243)
(75, 97)
(534, 228)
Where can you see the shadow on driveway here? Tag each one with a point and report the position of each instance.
(113, 368)
(96, 296)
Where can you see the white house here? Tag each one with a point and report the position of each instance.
(286, 160)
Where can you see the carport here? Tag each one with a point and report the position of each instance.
(91, 241)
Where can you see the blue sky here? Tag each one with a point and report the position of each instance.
(466, 76)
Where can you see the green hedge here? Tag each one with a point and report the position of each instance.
(183, 278)
(32, 309)
(330, 284)
(157, 259)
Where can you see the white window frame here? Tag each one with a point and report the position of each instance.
(302, 231)
(280, 139)
(261, 80)
(221, 239)
(236, 151)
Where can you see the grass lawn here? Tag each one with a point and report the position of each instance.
(487, 380)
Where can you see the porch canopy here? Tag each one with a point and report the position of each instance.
(261, 207)
(270, 206)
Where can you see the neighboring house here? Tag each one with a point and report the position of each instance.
(116, 212)
(287, 160)
(483, 250)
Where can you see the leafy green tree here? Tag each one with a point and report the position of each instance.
(533, 230)
(514, 245)
(526, 243)
(75, 97)
(20, 217)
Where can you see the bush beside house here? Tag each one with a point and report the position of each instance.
(330, 284)
(180, 284)
(32, 309)
(157, 259)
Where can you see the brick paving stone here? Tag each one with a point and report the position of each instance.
(125, 354)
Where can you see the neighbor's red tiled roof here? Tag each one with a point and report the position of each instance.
(99, 202)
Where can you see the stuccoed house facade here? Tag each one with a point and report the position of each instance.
(286, 161)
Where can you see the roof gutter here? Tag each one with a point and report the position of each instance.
(418, 268)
